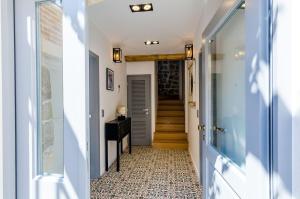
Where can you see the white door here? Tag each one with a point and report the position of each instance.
(226, 116)
(51, 99)
(237, 101)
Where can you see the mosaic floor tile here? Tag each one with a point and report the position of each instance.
(149, 173)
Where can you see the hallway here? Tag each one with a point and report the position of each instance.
(149, 173)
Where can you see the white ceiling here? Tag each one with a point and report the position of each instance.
(173, 23)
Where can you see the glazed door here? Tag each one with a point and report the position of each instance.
(51, 100)
(225, 143)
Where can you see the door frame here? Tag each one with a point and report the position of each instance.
(76, 121)
(201, 118)
(7, 101)
(257, 158)
(148, 76)
(285, 89)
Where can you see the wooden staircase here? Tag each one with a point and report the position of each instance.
(170, 125)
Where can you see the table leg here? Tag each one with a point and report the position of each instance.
(118, 157)
(129, 141)
(121, 146)
(106, 154)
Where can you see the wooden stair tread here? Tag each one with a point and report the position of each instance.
(170, 125)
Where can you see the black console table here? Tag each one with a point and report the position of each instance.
(116, 130)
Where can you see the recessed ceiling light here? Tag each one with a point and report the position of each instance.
(147, 7)
(151, 42)
(141, 7)
(136, 8)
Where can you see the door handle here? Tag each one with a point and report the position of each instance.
(218, 129)
(202, 127)
(146, 110)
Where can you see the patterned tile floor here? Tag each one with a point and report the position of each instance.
(149, 173)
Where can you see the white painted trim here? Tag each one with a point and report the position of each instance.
(7, 101)
(194, 165)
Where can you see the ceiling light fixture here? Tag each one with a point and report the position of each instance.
(147, 7)
(141, 7)
(135, 8)
(151, 43)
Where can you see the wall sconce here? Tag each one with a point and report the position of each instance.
(189, 51)
(117, 55)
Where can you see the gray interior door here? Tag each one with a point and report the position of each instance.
(139, 108)
(94, 116)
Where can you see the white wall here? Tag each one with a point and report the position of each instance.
(146, 68)
(286, 97)
(109, 100)
(207, 10)
(7, 112)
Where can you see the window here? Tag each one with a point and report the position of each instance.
(228, 86)
(50, 88)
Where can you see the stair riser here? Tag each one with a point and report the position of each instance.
(168, 108)
(166, 102)
(170, 128)
(170, 113)
(182, 146)
(170, 137)
(170, 120)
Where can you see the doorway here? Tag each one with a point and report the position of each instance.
(139, 108)
(94, 115)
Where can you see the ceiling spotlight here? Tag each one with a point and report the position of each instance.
(151, 42)
(141, 7)
(135, 8)
(147, 7)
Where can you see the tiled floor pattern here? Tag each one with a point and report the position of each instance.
(149, 173)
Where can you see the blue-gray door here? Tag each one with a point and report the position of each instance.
(139, 108)
(94, 116)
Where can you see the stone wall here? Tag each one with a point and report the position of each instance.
(169, 79)
(51, 85)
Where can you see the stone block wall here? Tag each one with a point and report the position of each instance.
(51, 85)
(169, 79)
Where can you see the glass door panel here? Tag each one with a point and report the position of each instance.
(227, 48)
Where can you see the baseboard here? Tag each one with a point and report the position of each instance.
(195, 167)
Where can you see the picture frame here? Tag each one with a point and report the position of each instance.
(109, 79)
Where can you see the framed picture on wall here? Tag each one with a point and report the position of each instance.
(109, 79)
